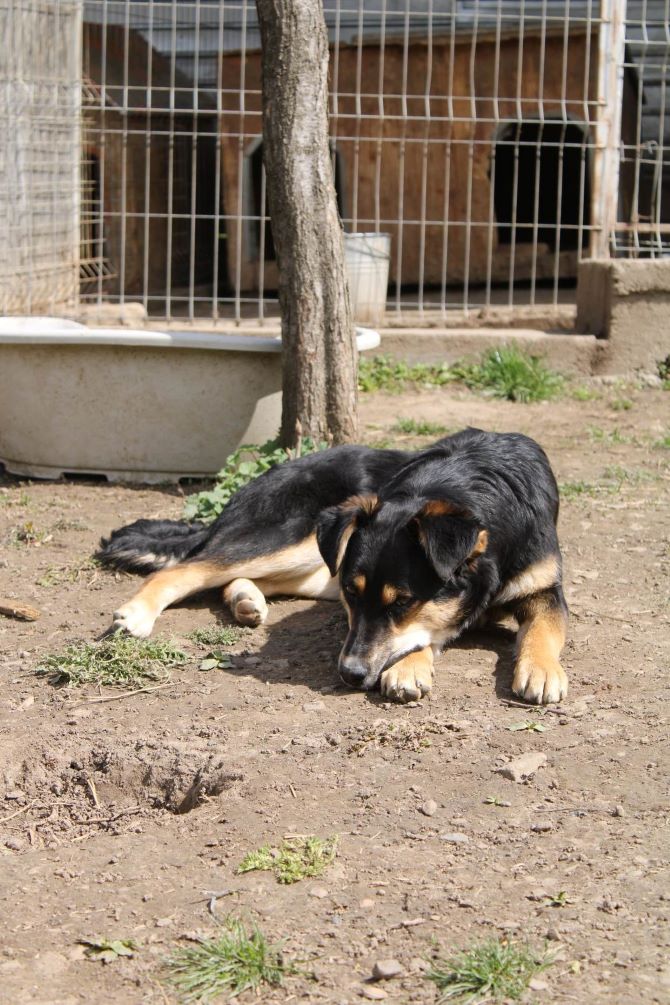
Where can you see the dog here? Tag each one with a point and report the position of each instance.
(419, 546)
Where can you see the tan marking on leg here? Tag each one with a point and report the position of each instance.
(410, 678)
(166, 587)
(539, 576)
(538, 675)
(246, 602)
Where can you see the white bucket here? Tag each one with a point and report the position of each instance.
(367, 257)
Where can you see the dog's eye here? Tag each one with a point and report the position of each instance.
(350, 591)
(402, 601)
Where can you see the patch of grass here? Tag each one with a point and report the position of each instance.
(663, 443)
(663, 369)
(575, 490)
(10, 498)
(56, 575)
(583, 393)
(296, 858)
(598, 435)
(399, 735)
(246, 463)
(237, 961)
(621, 404)
(488, 972)
(27, 535)
(418, 427)
(218, 635)
(381, 373)
(509, 373)
(118, 661)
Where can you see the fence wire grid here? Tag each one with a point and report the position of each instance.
(498, 143)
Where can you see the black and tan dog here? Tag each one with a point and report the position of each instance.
(419, 546)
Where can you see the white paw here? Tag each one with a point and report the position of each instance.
(408, 680)
(248, 611)
(540, 685)
(135, 619)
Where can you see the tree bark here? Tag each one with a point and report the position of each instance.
(319, 349)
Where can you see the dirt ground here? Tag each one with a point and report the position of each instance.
(578, 855)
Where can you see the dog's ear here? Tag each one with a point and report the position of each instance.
(449, 536)
(336, 525)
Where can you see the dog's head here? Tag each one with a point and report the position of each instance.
(404, 568)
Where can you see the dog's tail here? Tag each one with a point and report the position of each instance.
(149, 545)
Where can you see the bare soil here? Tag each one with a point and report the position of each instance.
(91, 845)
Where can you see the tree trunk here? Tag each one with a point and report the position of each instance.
(319, 350)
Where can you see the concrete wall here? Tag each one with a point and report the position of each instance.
(626, 304)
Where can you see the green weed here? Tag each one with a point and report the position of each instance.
(598, 435)
(663, 369)
(663, 443)
(218, 635)
(621, 404)
(490, 971)
(575, 490)
(418, 427)
(509, 373)
(582, 393)
(296, 858)
(381, 373)
(237, 961)
(108, 950)
(27, 535)
(118, 661)
(242, 466)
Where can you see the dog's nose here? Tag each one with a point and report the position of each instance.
(352, 670)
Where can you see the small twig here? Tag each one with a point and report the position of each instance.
(293, 792)
(93, 790)
(125, 694)
(108, 820)
(22, 810)
(534, 708)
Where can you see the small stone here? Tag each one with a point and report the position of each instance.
(553, 935)
(314, 706)
(162, 922)
(455, 838)
(27, 702)
(13, 844)
(319, 892)
(429, 808)
(536, 984)
(366, 903)
(252, 661)
(373, 994)
(618, 811)
(542, 827)
(522, 768)
(384, 970)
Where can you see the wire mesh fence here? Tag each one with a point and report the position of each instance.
(496, 142)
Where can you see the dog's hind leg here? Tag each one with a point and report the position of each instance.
(246, 602)
(166, 587)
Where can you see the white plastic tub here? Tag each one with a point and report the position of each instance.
(138, 406)
(367, 257)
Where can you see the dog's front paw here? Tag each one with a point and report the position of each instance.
(408, 680)
(135, 619)
(540, 684)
